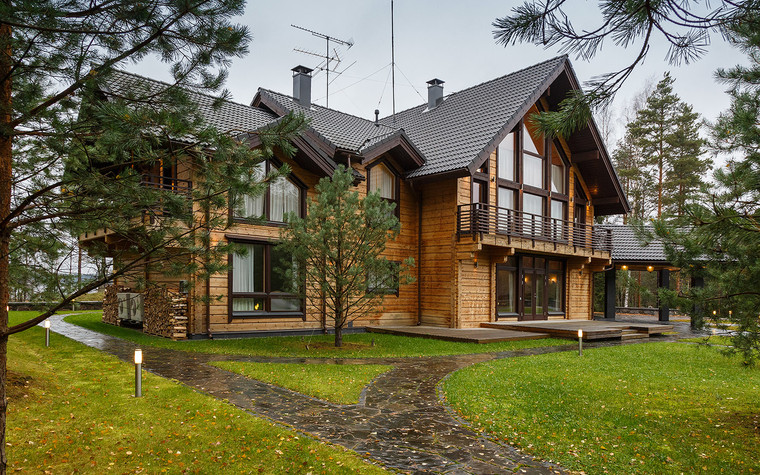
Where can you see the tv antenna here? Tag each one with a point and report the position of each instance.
(327, 57)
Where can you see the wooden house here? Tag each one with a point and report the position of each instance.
(498, 218)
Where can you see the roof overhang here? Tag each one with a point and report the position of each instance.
(398, 146)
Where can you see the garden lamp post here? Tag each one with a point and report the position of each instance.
(47, 332)
(138, 372)
(580, 342)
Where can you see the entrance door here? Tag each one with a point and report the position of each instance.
(533, 289)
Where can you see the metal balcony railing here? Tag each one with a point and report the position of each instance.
(480, 218)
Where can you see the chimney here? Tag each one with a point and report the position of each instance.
(435, 93)
(302, 85)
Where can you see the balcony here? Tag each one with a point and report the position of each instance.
(480, 219)
(183, 188)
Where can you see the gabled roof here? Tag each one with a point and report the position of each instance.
(453, 135)
(226, 116)
(344, 131)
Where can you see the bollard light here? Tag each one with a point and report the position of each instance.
(46, 324)
(580, 342)
(138, 372)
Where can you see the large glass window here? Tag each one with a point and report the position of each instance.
(533, 171)
(258, 285)
(507, 158)
(558, 219)
(558, 172)
(506, 290)
(281, 197)
(533, 210)
(555, 287)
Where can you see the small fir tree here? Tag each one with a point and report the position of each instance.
(337, 251)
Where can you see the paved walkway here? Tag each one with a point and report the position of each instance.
(399, 420)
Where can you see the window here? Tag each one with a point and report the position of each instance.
(257, 283)
(506, 155)
(558, 219)
(533, 159)
(284, 195)
(533, 210)
(385, 284)
(479, 191)
(506, 219)
(555, 287)
(384, 181)
(506, 288)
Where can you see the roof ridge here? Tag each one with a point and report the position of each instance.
(186, 88)
(330, 109)
(562, 56)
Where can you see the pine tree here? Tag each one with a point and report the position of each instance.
(662, 146)
(70, 161)
(684, 179)
(718, 239)
(337, 248)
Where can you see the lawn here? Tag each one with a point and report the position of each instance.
(72, 409)
(646, 408)
(357, 345)
(341, 384)
(717, 340)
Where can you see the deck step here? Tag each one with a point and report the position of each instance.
(633, 335)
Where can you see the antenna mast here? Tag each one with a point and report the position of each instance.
(393, 67)
(326, 57)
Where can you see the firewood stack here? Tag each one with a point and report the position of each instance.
(111, 304)
(165, 313)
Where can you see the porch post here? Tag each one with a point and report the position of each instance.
(697, 319)
(664, 283)
(609, 294)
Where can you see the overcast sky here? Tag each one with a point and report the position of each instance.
(447, 39)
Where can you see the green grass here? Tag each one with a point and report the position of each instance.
(718, 340)
(648, 408)
(341, 384)
(72, 409)
(358, 345)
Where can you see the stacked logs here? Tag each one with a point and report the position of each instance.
(111, 304)
(165, 313)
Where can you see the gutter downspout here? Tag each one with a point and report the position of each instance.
(419, 259)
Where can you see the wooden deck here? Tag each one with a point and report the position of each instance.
(592, 329)
(466, 335)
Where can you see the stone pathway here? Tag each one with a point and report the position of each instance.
(399, 420)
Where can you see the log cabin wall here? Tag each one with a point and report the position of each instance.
(393, 310)
(438, 243)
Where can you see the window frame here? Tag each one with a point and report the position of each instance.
(266, 217)
(387, 290)
(267, 295)
(396, 187)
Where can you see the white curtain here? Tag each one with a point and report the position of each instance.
(284, 198)
(383, 181)
(253, 206)
(247, 277)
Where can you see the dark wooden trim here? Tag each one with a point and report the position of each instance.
(586, 156)
(267, 295)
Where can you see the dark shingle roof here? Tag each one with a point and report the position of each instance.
(453, 134)
(343, 130)
(226, 116)
(626, 246)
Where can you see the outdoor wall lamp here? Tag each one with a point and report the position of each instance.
(580, 342)
(138, 372)
(624, 267)
(46, 324)
(650, 268)
(715, 312)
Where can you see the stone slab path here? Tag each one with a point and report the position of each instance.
(399, 421)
